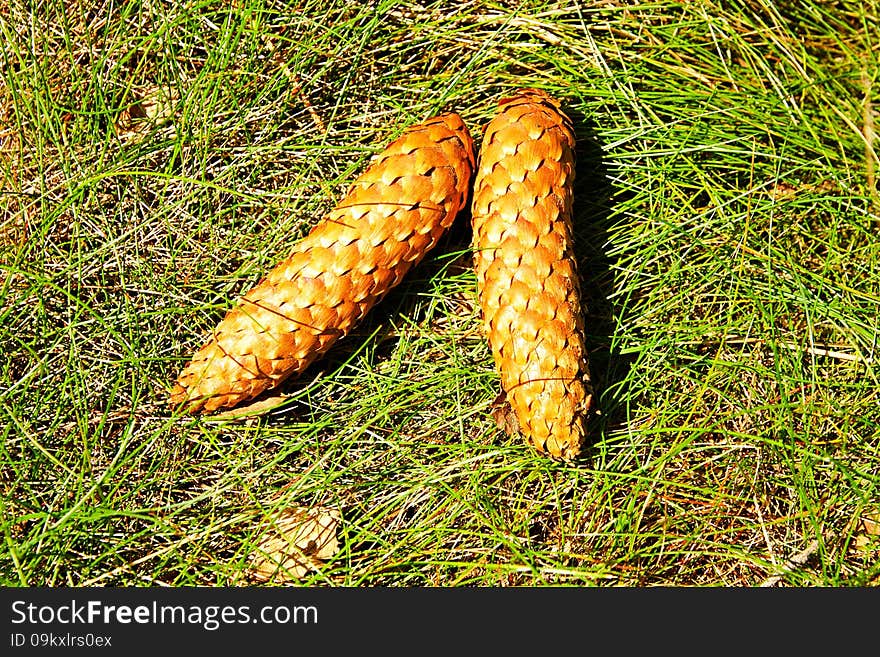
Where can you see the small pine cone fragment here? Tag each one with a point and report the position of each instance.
(526, 272)
(392, 215)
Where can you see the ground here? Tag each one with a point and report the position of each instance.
(157, 158)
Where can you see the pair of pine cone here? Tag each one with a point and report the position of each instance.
(393, 214)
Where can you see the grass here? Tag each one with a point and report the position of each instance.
(158, 157)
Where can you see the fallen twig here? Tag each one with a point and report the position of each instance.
(793, 563)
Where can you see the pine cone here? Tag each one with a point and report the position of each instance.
(526, 271)
(390, 218)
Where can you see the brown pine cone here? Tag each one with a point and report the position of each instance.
(390, 218)
(526, 272)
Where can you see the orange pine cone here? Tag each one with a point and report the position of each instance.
(526, 272)
(390, 218)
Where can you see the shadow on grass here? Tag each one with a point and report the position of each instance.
(593, 215)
